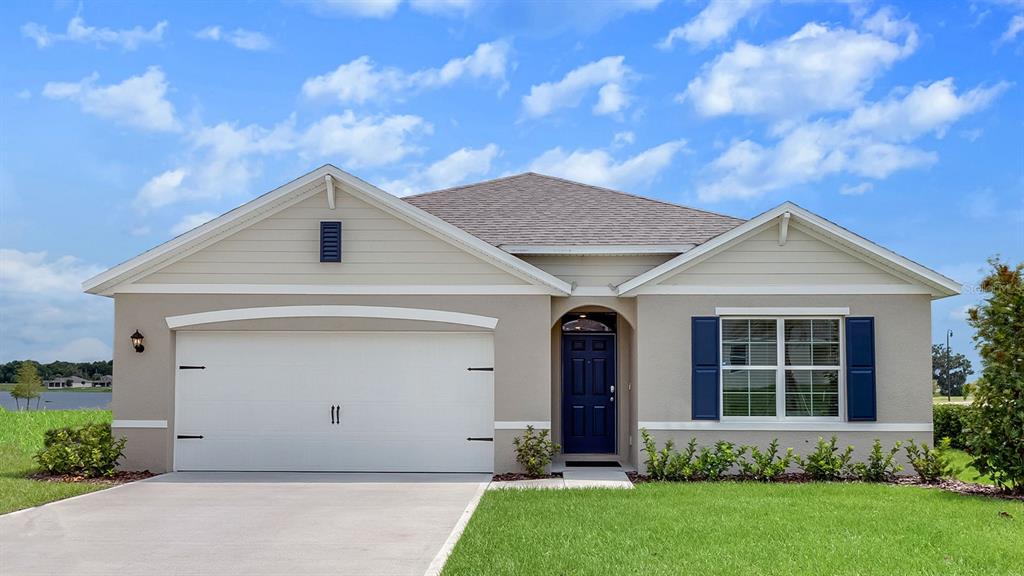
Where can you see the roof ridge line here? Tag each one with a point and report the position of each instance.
(470, 185)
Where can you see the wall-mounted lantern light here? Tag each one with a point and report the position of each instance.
(137, 342)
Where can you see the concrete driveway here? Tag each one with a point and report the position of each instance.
(244, 523)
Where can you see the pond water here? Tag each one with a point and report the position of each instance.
(53, 400)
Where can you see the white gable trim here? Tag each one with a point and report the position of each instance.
(276, 200)
(331, 311)
(937, 284)
(337, 289)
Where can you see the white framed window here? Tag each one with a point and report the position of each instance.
(781, 368)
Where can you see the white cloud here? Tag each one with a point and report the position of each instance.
(856, 189)
(609, 73)
(622, 138)
(598, 167)
(191, 221)
(872, 142)
(1014, 28)
(454, 169)
(224, 159)
(88, 349)
(361, 80)
(715, 22)
(816, 69)
(34, 273)
(354, 8)
(42, 307)
(138, 101)
(78, 31)
(24, 95)
(239, 38)
(362, 142)
(221, 161)
(445, 7)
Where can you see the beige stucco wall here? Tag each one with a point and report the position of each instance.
(145, 382)
(902, 348)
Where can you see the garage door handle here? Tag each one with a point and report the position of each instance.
(476, 439)
(189, 437)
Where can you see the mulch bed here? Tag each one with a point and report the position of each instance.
(513, 476)
(957, 486)
(119, 477)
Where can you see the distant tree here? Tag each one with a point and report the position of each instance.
(995, 424)
(959, 368)
(27, 384)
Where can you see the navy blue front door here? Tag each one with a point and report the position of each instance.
(588, 393)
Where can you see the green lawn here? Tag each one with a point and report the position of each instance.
(951, 399)
(962, 460)
(732, 528)
(21, 434)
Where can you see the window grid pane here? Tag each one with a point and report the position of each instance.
(812, 393)
(749, 343)
(748, 393)
(811, 342)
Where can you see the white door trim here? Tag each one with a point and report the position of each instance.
(331, 311)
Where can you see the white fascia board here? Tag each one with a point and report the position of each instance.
(270, 202)
(339, 289)
(606, 250)
(941, 285)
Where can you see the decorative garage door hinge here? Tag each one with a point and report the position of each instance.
(189, 437)
(479, 439)
(191, 367)
(481, 369)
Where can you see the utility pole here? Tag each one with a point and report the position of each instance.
(949, 387)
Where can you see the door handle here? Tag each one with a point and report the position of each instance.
(338, 417)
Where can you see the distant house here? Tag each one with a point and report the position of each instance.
(72, 382)
(107, 381)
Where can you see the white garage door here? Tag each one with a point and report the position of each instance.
(329, 401)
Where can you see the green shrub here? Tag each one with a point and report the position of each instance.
(712, 463)
(767, 465)
(681, 465)
(657, 460)
(931, 464)
(89, 451)
(827, 462)
(880, 466)
(534, 451)
(995, 430)
(948, 421)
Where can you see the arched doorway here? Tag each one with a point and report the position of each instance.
(589, 377)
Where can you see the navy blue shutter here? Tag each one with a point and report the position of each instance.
(330, 241)
(705, 354)
(860, 369)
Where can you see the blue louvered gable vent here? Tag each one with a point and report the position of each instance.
(330, 241)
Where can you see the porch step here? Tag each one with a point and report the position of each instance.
(596, 478)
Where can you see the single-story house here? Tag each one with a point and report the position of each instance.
(69, 382)
(328, 325)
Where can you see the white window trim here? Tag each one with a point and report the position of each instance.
(782, 311)
(780, 379)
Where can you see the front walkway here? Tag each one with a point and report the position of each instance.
(244, 523)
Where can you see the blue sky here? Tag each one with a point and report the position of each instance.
(124, 124)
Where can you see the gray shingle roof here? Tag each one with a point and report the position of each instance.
(533, 209)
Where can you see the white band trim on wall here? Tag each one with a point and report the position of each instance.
(348, 289)
(331, 311)
(790, 426)
(521, 425)
(782, 311)
(139, 424)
